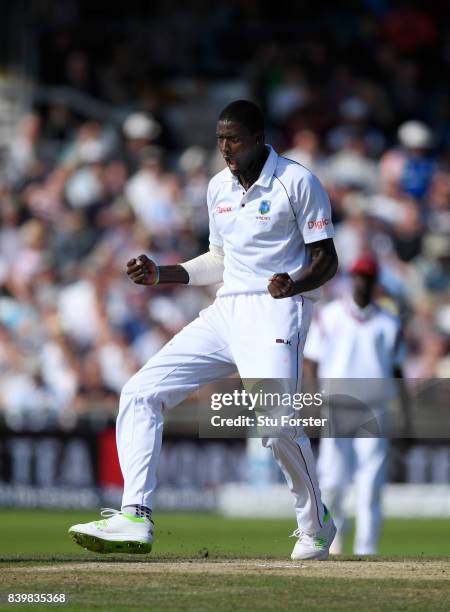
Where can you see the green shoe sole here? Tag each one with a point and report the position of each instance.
(98, 545)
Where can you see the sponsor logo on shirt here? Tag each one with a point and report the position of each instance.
(223, 209)
(282, 341)
(318, 224)
(264, 207)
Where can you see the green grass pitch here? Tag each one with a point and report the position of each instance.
(207, 562)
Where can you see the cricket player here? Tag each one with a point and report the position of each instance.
(271, 246)
(352, 338)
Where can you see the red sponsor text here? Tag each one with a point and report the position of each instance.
(318, 224)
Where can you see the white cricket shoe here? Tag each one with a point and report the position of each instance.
(316, 546)
(117, 532)
(337, 545)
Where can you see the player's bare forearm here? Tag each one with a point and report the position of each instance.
(322, 267)
(144, 271)
(173, 274)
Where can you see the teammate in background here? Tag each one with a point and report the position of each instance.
(353, 338)
(271, 245)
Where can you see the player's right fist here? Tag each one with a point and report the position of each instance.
(142, 271)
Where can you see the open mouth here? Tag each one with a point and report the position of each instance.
(231, 163)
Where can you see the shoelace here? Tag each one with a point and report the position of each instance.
(319, 541)
(296, 534)
(109, 512)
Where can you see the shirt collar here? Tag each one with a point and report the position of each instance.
(267, 172)
(268, 169)
(361, 314)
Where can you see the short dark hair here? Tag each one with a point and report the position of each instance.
(246, 113)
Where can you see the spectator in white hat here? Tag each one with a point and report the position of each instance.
(410, 167)
(139, 130)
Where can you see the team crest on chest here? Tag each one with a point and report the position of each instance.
(264, 207)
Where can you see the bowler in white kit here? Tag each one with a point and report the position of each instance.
(271, 246)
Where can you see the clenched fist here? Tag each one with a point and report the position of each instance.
(280, 285)
(142, 270)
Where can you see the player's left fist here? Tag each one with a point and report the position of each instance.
(280, 285)
(142, 270)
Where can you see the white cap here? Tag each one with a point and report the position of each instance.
(415, 135)
(192, 159)
(140, 125)
(91, 151)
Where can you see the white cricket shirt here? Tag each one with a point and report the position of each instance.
(351, 342)
(264, 230)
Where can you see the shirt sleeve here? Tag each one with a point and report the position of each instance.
(206, 269)
(313, 210)
(314, 345)
(214, 237)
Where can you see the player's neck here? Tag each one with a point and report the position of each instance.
(250, 175)
(362, 300)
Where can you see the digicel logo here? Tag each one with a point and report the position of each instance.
(223, 209)
(319, 224)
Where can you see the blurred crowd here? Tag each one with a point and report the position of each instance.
(80, 195)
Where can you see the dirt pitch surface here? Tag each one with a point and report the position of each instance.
(405, 570)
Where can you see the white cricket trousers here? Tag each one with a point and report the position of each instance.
(364, 459)
(235, 332)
